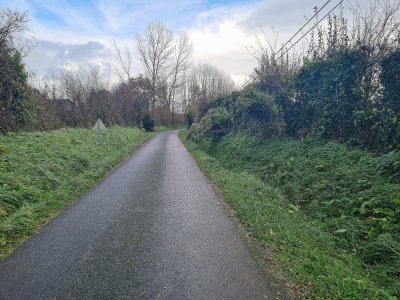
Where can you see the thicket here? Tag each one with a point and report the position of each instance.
(344, 88)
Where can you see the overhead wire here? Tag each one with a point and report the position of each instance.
(315, 25)
(316, 13)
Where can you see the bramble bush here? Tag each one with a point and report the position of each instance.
(215, 124)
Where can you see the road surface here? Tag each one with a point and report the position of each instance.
(153, 229)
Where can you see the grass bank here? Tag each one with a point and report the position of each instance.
(43, 172)
(329, 213)
(162, 128)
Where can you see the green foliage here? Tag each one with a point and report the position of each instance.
(341, 97)
(332, 97)
(255, 112)
(14, 99)
(190, 118)
(276, 191)
(354, 194)
(148, 123)
(250, 110)
(162, 128)
(326, 94)
(383, 254)
(389, 166)
(387, 123)
(215, 124)
(41, 173)
(390, 77)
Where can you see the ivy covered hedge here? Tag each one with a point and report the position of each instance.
(332, 98)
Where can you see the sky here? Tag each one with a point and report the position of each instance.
(73, 33)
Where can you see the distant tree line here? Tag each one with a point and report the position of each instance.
(171, 87)
(344, 87)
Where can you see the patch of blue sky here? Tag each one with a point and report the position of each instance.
(226, 2)
(46, 17)
(119, 18)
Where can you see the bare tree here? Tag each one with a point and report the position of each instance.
(12, 23)
(84, 92)
(203, 83)
(376, 24)
(12, 28)
(155, 49)
(180, 65)
(212, 82)
(43, 109)
(124, 58)
(273, 64)
(132, 100)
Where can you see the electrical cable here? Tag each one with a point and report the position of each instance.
(336, 6)
(303, 26)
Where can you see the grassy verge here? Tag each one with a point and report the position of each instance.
(41, 173)
(266, 182)
(162, 128)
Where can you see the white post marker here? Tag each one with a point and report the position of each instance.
(99, 126)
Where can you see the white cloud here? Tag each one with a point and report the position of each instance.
(116, 17)
(220, 34)
(50, 57)
(218, 39)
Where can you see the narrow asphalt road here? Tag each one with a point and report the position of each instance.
(153, 229)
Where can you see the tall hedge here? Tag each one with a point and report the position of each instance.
(14, 98)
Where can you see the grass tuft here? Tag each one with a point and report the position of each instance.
(43, 172)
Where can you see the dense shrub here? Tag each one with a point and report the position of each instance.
(190, 118)
(327, 94)
(148, 123)
(256, 112)
(215, 124)
(336, 97)
(250, 110)
(390, 77)
(14, 98)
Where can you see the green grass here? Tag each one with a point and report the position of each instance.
(162, 128)
(306, 200)
(43, 172)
